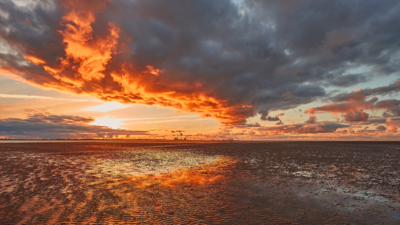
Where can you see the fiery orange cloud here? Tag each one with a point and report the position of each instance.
(94, 64)
(35, 60)
(392, 125)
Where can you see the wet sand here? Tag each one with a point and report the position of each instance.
(164, 182)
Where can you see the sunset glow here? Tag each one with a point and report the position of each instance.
(259, 74)
(109, 106)
(199, 112)
(112, 123)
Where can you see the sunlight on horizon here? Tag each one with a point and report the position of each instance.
(108, 106)
(107, 122)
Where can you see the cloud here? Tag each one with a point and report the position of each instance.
(362, 94)
(46, 125)
(253, 125)
(393, 125)
(312, 119)
(322, 127)
(392, 107)
(346, 80)
(353, 104)
(381, 128)
(269, 118)
(356, 115)
(379, 120)
(393, 111)
(44, 97)
(215, 58)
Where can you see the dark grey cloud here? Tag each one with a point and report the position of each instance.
(364, 93)
(270, 118)
(381, 128)
(392, 107)
(253, 125)
(312, 119)
(377, 129)
(393, 111)
(346, 80)
(355, 116)
(379, 120)
(42, 125)
(325, 127)
(219, 59)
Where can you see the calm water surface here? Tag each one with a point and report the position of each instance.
(145, 182)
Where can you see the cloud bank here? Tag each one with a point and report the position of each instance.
(49, 126)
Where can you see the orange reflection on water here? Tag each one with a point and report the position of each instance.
(207, 173)
(173, 197)
(201, 175)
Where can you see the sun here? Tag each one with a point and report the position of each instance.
(108, 106)
(107, 122)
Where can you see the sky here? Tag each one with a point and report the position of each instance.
(209, 70)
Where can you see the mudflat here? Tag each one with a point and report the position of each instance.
(166, 182)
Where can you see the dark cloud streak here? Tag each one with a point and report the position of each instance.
(44, 125)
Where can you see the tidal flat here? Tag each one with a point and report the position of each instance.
(186, 182)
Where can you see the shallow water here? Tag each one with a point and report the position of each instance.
(105, 182)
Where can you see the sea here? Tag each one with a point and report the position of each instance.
(203, 182)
